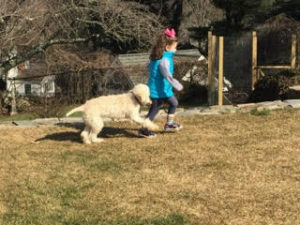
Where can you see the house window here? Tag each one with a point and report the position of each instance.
(27, 89)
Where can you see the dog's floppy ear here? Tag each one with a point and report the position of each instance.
(141, 92)
(136, 95)
(139, 98)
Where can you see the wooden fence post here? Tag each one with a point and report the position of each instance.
(293, 51)
(221, 68)
(209, 64)
(254, 58)
(213, 84)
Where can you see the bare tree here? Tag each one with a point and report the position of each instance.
(34, 25)
(201, 12)
(198, 13)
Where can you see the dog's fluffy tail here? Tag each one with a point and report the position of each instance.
(78, 109)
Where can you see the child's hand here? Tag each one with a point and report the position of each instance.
(177, 85)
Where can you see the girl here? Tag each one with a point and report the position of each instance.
(161, 81)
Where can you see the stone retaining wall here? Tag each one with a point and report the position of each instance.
(213, 110)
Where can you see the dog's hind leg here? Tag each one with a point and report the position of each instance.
(85, 135)
(96, 127)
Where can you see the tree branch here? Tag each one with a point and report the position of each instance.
(16, 60)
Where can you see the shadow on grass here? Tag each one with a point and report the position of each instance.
(76, 125)
(107, 132)
(111, 132)
(62, 136)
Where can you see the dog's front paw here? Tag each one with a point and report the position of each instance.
(154, 127)
(86, 141)
(150, 125)
(97, 140)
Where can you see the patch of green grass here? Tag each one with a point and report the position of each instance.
(263, 112)
(55, 218)
(18, 117)
(91, 160)
(18, 219)
(66, 193)
(106, 166)
(77, 156)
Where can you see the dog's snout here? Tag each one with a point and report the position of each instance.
(149, 102)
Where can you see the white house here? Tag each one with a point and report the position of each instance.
(31, 80)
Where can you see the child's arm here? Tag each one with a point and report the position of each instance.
(164, 69)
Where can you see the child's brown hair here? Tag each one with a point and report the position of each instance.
(160, 46)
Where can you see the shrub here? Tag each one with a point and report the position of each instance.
(257, 112)
(270, 88)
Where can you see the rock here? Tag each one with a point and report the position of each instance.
(292, 103)
(260, 108)
(46, 121)
(272, 105)
(162, 114)
(224, 109)
(24, 123)
(188, 113)
(209, 111)
(246, 107)
(200, 108)
(76, 122)
(70, 119)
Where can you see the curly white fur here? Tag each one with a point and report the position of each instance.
(116, 107)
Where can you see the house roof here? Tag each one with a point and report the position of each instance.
(36, 70)
(143, 58)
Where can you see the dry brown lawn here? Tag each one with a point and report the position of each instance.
(234, 169)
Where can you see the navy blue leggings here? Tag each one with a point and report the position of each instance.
(157, 102)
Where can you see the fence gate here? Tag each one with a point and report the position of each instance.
(235, 63)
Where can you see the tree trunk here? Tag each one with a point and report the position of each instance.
(13, 101)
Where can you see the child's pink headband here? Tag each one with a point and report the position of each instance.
(170, 33)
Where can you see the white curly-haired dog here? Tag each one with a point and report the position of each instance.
(116, 107)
